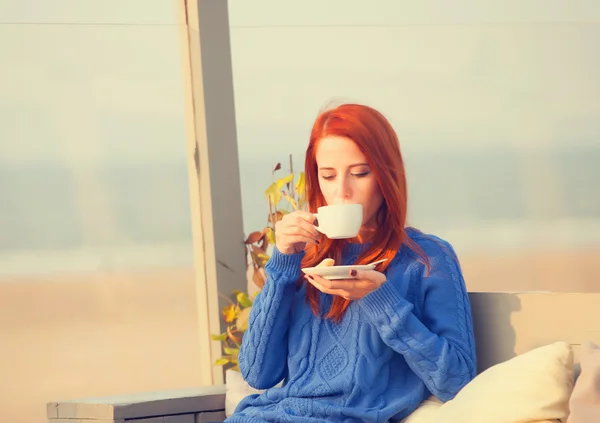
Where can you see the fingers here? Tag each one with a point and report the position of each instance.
(369, 275)
(366, 277)
(348, 292)
(298, 235)
(330, 285)
(352, 289)
(294, 231)
(324, 285)
(338, 286)
(294, 239)
(309, 217)
(298, 230)
(297, 223)
(328, 262)
(304, 221)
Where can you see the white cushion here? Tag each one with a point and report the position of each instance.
(532, 387)
(585, 400)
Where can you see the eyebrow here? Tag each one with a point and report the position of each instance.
(352, 165)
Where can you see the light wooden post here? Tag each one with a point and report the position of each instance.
(214, 181)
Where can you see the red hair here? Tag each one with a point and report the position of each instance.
(376, 139)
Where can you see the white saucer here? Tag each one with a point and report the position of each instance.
(336, 272)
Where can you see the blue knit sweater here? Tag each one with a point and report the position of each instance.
(408, 339)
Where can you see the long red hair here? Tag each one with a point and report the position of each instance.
(377, 140)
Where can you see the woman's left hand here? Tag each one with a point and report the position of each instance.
(363, 283)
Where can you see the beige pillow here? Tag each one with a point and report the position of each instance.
(427, 412)
(585, 400)
(532, 387)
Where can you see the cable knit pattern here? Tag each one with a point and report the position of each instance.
(410, 338)
(270, 317)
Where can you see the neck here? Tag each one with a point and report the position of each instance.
(366, 234)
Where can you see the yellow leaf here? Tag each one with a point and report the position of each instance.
(262, 259)
(242, 320)
(300, 185)
(270, 236)
(222, 337)
(221, 362)
(291, 201)
(230, 313)
(232, 359)
(286, 179)
(273, 194)
(231, 351)
(243, 299)
(259, 257)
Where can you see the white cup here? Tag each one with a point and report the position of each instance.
(339, 221)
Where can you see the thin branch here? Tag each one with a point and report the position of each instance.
(227, 298)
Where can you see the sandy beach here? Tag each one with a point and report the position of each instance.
(81, 335)
(74, 336)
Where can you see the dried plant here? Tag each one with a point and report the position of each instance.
(284, 195)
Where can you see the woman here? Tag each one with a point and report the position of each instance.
(370, 348)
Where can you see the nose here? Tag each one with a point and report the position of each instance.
(344, 190)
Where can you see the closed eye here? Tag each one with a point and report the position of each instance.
(356, 175)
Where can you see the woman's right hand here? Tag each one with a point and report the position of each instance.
(294, 231)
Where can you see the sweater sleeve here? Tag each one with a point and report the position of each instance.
(263, 354)
(440, 347)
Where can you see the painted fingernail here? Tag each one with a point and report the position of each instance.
(353, 272)
(316, 222)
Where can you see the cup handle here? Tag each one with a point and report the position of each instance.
(316, 227)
